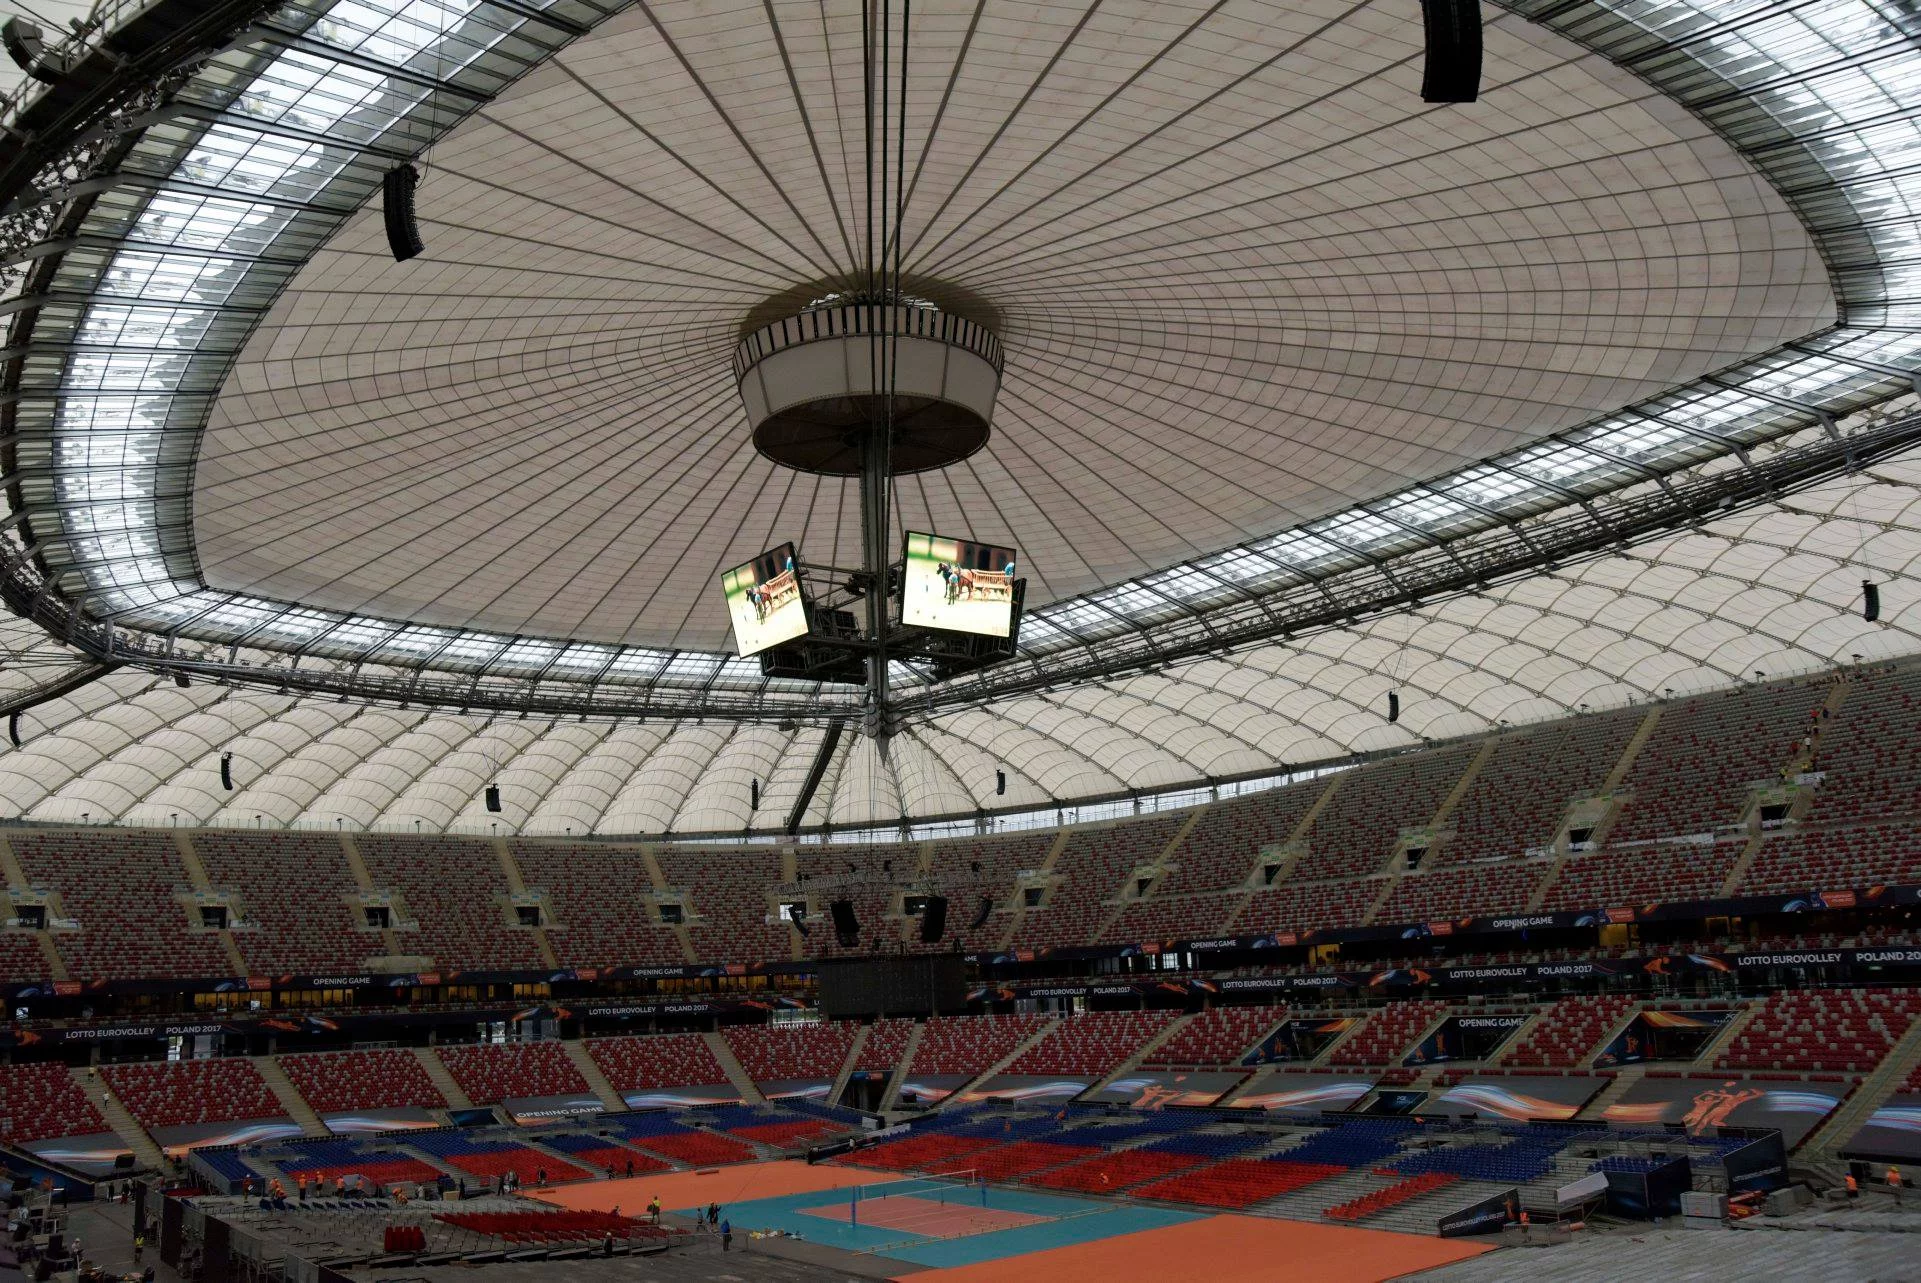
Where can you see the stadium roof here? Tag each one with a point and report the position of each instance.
(1281, 339)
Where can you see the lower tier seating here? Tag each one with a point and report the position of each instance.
(343, 1080)
(177, 1093)
(1111, 1173)
(41, 1102)
(493, 1072)
(1238, 1182)
(598, 1151)
(1393, 1196)
(494, 1159)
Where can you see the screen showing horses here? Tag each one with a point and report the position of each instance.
(958, 585)
(764, 601)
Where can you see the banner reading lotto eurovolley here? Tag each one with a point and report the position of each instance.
(1702, 1103)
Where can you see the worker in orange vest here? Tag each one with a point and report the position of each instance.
(1894, 1183)
(1854, 1186)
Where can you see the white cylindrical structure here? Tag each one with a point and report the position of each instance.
(812, 383)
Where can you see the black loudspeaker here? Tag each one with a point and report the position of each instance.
(753, 794)
(846, 925)
(13, 729)
(1393, 707)
(1453, 69)
(933, 919)
(493, 798)
(986, 911)
(1000, 783)
(397, 203)
(798, 912)
(1870, 600)
(123, 1162)
(226, 771)
(180, 680)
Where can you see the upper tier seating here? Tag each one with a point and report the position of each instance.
(42, 1102)
(971, 1044)
(1693, 773)
(1823, 1030)
(176, 1093)
(1093, 1043)
(457, 893)
(1521, 794)
(664, 1060)
(21, 961)
(1217, 1036)
(1355, 833)
(1461, 892)
(344, 1080)
(727, 891)
(296, 888)
(886, 1044)
(1866, 750)
(1092, 864)
(493, 1072)
(120, 885)
(1836, 859)
(872, 900)
(1221, 851)
(771, 1053)
(1311, 906)
(1568, 1032)
(970, 869)
(1388, 1033)
(1615, 879)
(598, 895)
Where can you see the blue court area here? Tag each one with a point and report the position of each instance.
(876, 1228)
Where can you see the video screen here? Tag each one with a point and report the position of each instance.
(958, 585)
(764, 601)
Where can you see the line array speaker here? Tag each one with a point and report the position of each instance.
(397, 203)
(986, 911)
(1393, 706)
(846, 925)
(493, 798)
(1452, 72)
(226, 771)
(1870, 600)
(933, 919)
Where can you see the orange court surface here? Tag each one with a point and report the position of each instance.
(1217, 1249)
(724, 1185)
(1223, 1249)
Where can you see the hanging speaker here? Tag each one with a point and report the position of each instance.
(493, 798)
(1393, 706)
(797, 916)
(1870, 600)
(1000, 783)
(397, 203)
(986, 911)
(226, 771)
(846, 925)
(180, 680)
(1453, 69)
(933, 919)
(13, 729)
(753, 794)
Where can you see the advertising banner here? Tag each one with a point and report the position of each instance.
(1485, 1217)
(1520, 1099)
(1464, 1037)
(1761, 1164)
(1153, 1089)
(1701, 1104)
(94, 1153)
(174, 1141)
(797, 1089)
(682, 1097)
(366, 1122)
(1305, 1093)
(1661, 1034)
(930, 1089)
(1892, 1132)
(541, 1109)
(1025, 1087)
(1298, 1040)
